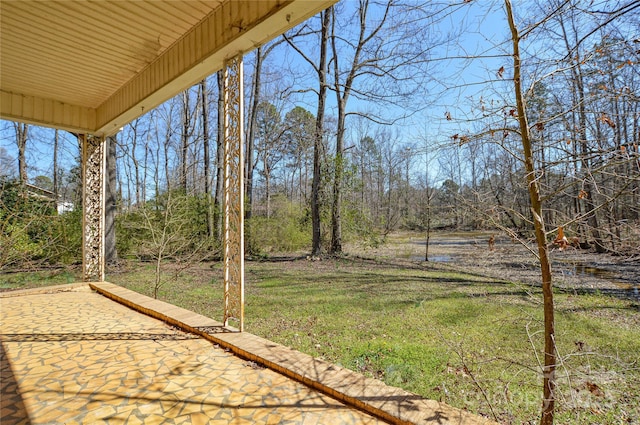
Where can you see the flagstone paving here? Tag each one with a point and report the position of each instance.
(70, 355)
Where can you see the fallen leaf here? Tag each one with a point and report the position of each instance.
(460, 371)
(594, 389)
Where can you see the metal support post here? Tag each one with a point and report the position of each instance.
(233, 193)
(93, 205)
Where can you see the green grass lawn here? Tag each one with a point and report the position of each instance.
(470, 341)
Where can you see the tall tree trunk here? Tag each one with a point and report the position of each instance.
(110, 252)
(145, 167)
(316, 248)
(156, 171)
(55, 166)
(207, 160)
(342, 96)
(167, 169)
(549, 380)
(387, 225)
(336, 206)
(22, 133)
(220, 159)
(249, 162)
(184, 150)
(583, 144)
(267, 184)
(136, 165)
(343, 91)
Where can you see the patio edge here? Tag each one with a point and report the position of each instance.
(43, 290)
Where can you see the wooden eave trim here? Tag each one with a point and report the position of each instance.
(236, 27)
(47, 112)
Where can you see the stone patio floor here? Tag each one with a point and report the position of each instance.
(99, 353)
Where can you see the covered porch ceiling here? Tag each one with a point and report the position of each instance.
(93, 66)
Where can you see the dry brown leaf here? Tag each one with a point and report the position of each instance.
(594, 389)
(605, 119)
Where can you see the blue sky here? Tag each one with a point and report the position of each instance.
(455, 89)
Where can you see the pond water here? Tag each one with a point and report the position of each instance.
(575, 271)
(626, 287)
(585, 270)
(434, 258)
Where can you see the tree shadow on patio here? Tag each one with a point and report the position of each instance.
(11, 403)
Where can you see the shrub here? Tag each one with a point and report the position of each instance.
(287, 230)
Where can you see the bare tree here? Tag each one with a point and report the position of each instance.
(550, 353)
(343, 86)
(253, 117)
(56, 184)
(22, 135)
(321, 70)
(111, 253)
(220, 158)
(299, 129)
(207, 161)
(269, 144)
(184, 140)
(379, 60)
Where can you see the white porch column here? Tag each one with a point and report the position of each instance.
(93, 198)
(233, 193)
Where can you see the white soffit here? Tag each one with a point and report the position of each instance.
(93, 66)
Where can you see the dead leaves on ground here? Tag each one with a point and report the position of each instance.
(594, 389)
(458, 370)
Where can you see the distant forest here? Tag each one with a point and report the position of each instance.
(369, 118)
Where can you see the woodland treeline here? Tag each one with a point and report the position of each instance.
(362, 121)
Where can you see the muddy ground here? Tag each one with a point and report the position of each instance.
(573, 269)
